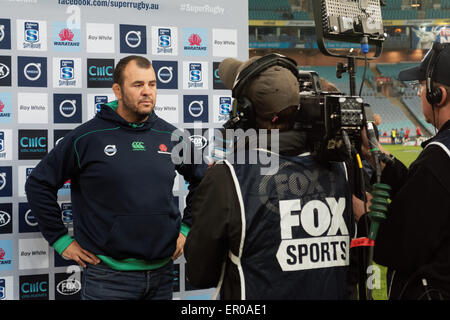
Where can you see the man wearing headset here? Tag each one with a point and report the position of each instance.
(279, 235)
(414, 240)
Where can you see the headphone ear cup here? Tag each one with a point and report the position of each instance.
(435, 96)
(243, 108)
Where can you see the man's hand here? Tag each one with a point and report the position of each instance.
(79, 255)
(358, 206)
(180, 245)
(365, 149)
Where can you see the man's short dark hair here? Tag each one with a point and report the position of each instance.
(118, 71)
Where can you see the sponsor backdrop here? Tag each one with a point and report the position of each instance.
(56, 64)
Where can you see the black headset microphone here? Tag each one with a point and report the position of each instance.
(243, 114)
(433, 95)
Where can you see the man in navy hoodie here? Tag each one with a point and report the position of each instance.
(127, 228)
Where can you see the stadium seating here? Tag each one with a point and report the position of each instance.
(392, 117)
(415, 106)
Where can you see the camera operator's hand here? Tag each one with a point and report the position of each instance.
(358, 206)
(365, 149)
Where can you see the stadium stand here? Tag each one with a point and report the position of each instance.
(414, 105)
(392, 117)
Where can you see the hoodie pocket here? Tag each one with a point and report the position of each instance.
(150, 236)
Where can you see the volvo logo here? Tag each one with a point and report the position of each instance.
(196, 108)
(165, 74)
(110, 150)
(67, 108)
(32, 71)
(2, 32)
(30, 219)
(133, 39)
(2, 180)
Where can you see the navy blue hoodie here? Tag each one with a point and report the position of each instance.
(122, 177)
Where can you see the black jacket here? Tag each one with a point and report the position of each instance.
(415, 239)
(121, 187)
(239, 239)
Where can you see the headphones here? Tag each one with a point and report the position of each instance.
(433, 95)
(243, 115)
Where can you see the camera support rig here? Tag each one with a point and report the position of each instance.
(357, 21)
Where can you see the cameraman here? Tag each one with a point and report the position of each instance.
(414, 240)
(279, 236)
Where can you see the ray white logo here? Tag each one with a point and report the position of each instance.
(110, 150)
(224, 42)
(32, 107)
(33, 253)
(167, 108)
(322, 222)
(100, 38)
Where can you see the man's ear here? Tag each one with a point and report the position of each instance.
(117, 91)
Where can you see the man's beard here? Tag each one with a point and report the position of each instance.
(140, 115)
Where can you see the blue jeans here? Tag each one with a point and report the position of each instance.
(99, 282)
